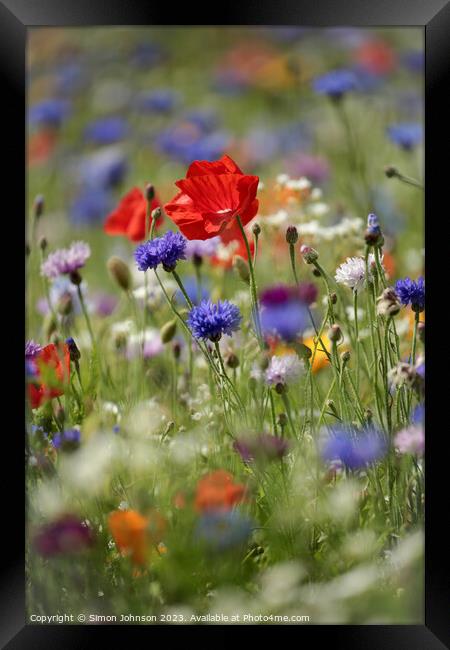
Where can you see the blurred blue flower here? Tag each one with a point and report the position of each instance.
(191, 285)
(406, 135)
(283, 313)
(104, 169)
(68, 440)
(49, 112)
(224, 530)
(336, 83)
(414, 60)
(70, 78)
(90, 207)
(147, 54)
(355, 449)
(186, 145)
(162, 100)
(418, 416)
(106, 130)
(205, 119)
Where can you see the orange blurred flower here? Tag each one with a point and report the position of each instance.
(218, 491)
(320, 358)
(133, 533)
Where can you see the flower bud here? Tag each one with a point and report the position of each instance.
(120, 272)
(149, 192)
(309, 254)
(43, 243)
(241, 267)
(197, 260)
(391, 171)
(176, 350)
(256, 229)
(388, 304)
(38, 206)
(168, 331)
(76, 278)
(345, 356)
(317, 273)
(292, 235)
(233, 361)
(74, 352)
(281, 388)
(333, 298)
(334, 333)
(282, 420)
(156, 214)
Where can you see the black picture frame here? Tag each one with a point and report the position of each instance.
(16, 16)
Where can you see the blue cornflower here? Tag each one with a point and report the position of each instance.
(68, 440)
(49, 112)
(412, 293)
(32, 349)
(165, 250)
(355, 449)
(210, 320)
(224, 530)
(406, 135)
(373, 224)
(106, 130)
(335, 83)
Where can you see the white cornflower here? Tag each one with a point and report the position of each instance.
(284, 370)
(352, 273)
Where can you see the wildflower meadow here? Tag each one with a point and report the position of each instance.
(225, 354)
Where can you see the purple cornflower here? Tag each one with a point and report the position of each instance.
(262, 447)
(336, 83)
(32, 349)
(210, 320)
(406, 135)
(165, 250)
(355, 449)
(67, 534)
(68, 440)
(224, 530)
(411, 293)
(284, 310)
(66, 260)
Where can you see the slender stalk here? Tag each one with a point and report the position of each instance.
(253, 288)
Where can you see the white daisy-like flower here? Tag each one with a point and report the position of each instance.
(284, 370)
(352, 273)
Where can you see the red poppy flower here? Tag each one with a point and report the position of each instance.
(212, 194)
(376, 57)
(128, 218)
(53, 373)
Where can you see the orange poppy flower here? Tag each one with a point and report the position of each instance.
(133, 533)
(217, 491)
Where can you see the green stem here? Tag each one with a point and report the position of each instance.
(253, 288)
